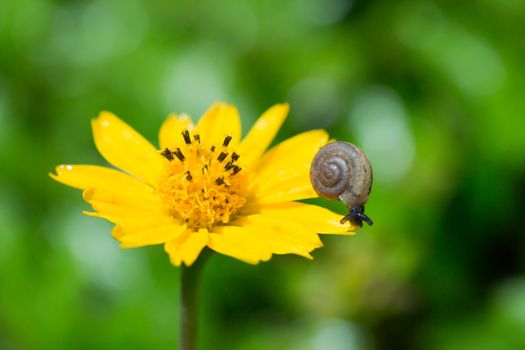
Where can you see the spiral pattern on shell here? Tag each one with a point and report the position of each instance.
(341, 171)
(330, 175)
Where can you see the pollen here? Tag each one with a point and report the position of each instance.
(202, 185)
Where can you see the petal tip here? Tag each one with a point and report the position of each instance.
(105, 115)
(87, 194)
(285, 106)
(103, 119)
(188, 262)
(59, 169)
(176, 262)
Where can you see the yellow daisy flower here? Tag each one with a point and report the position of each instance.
(206, 186)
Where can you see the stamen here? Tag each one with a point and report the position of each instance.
(167, 154)
(228, 166)
(178, 154)
(198, 186)
(186, 135)
(222, 156)
(227, 140)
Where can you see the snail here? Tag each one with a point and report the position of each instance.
(341, 171)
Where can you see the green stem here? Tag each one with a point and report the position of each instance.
(190, 278)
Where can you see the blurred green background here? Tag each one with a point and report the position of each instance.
(432, 91)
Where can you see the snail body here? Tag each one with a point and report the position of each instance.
(342, 171)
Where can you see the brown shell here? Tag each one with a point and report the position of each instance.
(341, 171)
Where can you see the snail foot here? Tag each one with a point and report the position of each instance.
(356, 216)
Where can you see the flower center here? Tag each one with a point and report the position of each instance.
(202, 185)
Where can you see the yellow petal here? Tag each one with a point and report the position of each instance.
(87, 176)
(283, 174)
(187, 248)
(125, 208)
(125, 199)
(233, 242)
(281, 225)
(318, 219)
(119, 214)
(170, 134)
(218, 122)
(275, 242)
(131, 237)
(250, 243)
(292, 189)
(126, 149)
(128, 227)
(262, 133)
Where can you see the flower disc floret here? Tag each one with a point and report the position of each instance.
(202, 185)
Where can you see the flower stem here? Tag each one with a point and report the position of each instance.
(190, 278)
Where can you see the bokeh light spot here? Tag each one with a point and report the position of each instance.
(379, 121)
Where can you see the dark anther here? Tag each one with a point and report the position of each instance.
(188, 175)
(236, 169)
(235, 156)
(212, 148)
(197, 138)
(219, 181)
(167, 154)
(228, 166)
(186, 135)
(227, 140)
(222, 156)
(205, 168)
(179, 154)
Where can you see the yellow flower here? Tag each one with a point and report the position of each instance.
(206, 187)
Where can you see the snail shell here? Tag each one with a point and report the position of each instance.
(342, 171)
